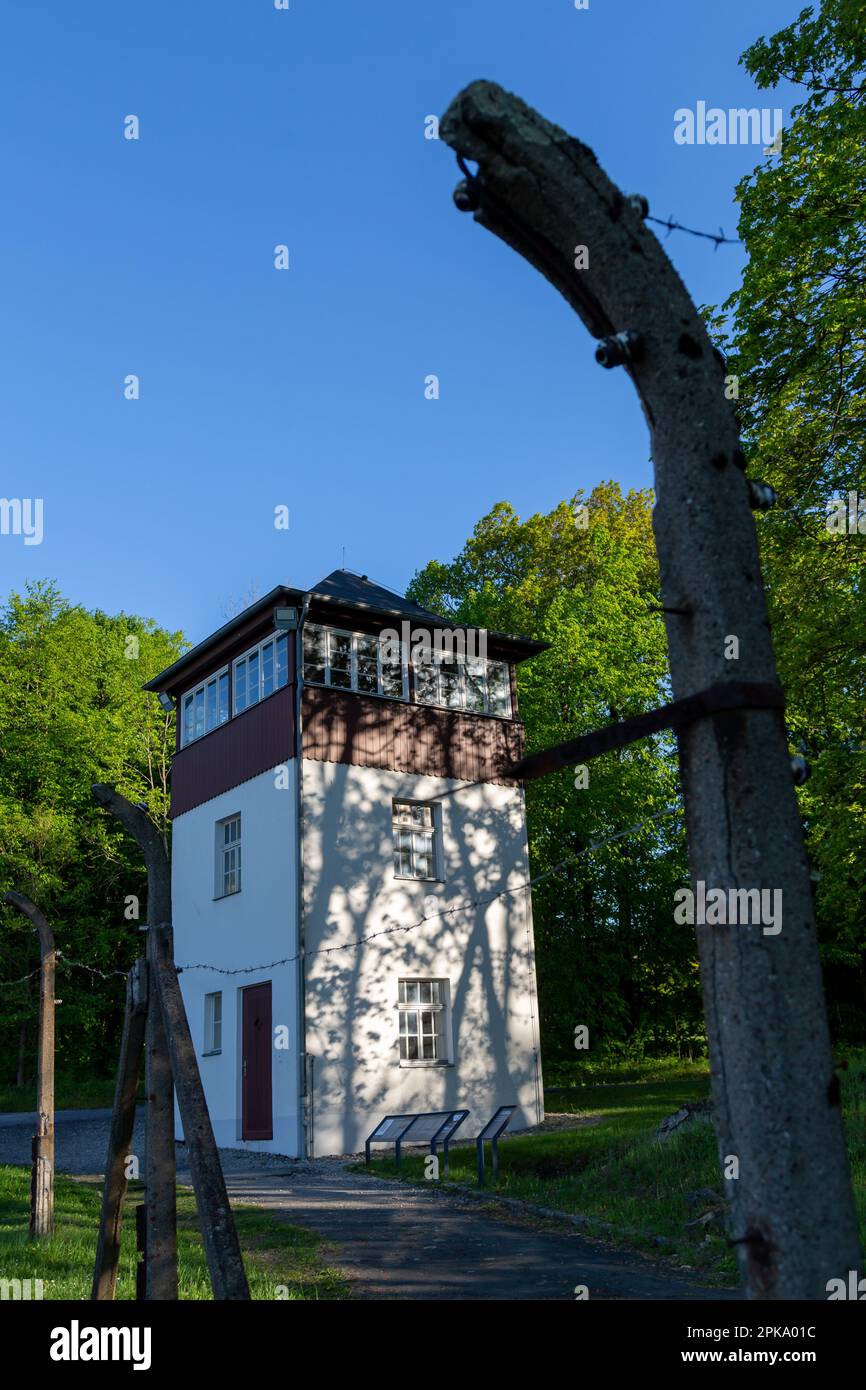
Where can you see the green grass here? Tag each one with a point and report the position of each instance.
(591, 1071)
(854, 1117)
(282, 1261)
(616, 1174)
(70, 1093)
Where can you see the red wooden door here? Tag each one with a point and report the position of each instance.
(257, 1113)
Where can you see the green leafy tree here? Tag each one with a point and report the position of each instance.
(584, 578)
(795, 334)
(74, 713)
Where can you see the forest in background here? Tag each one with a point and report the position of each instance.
(73, 713)
(794, 337)
(609, 954)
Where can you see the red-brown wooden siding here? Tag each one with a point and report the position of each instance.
(252, 742)
(341, 727)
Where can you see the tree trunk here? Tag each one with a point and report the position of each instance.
(776, 1098)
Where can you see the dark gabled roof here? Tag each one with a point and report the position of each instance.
(343, 589)
(350, 590)
(357, 591)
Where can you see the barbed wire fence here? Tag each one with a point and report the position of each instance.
(66, 960)
(718, 238)
(466, 905)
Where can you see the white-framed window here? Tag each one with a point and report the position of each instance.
(417, 848)
(358, 661)
(213, 1023)
(498, 689)
(424, 1024)
(260, 671)
(456, 681)
(205, 707)
(228, 856)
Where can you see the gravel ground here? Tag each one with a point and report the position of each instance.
(80, 1144)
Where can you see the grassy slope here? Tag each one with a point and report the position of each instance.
(615, 1172)
(282, 1261)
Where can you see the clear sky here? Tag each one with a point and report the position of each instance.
(305, 387)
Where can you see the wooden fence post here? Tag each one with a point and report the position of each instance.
(776, 1098)
(141, 1248)
(42, 1171)
(160, 1178)
(222, 1250)
(120, 1136)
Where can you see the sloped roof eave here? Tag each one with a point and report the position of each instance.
(283, 594)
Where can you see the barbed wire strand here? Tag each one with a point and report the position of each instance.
(718, 238)
(7, 984)
(465, 906)
(81, 965)
(65, 960)
(443, 912)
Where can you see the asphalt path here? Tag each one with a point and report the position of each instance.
(392, 1240)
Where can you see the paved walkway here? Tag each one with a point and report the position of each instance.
(391, 1240)
(400, 1242)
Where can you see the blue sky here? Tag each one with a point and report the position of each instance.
(305, 388)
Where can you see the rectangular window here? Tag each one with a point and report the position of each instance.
(315, 655)
(340, 659)
(475, 670)
(268, 673)
(498, 689)
(367, 654)
(462, 682)
(282, 661)
(423, 1013)
(416, 848)
(228, 865)
(393, 671)
(426, 679)
(358, 661)
(213, 1023)
(260, 672)
(204, 708)
(451, 691)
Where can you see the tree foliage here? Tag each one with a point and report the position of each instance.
(609, 954)
(73, 713)
(795, 335)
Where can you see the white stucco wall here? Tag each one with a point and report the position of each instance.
(486, 953)
(253, 927)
